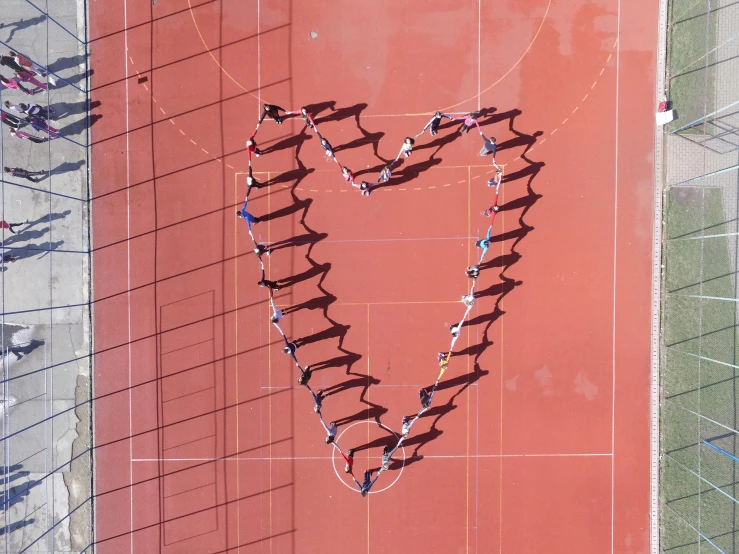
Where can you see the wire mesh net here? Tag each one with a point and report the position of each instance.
(45, 412)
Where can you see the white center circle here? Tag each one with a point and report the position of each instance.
(369, 422)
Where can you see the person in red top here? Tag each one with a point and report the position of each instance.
(32, 66)
(347, 174)
(251, 147)
(348, 458)
(9, 226)
(27, 76)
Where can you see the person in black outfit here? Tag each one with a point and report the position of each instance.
(273, 111)
(33, 176)
(10, 63)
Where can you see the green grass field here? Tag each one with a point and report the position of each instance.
(692, 327)
(691, 75)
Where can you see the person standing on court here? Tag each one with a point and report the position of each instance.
(331, 430)
(407, 148)
(385, 175)
(273, 111)
(306, 116)
(434, 123)
(317, 400)
(30, 65)
(326, 145)
(348, 458)
(347, 174)
(242, 213)
(468, 121)
(271, 285)
(25, 174)
(251, 148)
(488, 146)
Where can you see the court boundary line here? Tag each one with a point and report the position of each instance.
(128, 272)
(655, 353)
(440, 456)
(615, 278)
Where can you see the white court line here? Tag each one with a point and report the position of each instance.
(128, 256)
(615, 255)
(328, 458)
(373, 386)
(479, 52)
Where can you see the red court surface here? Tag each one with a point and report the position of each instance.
(538, 437)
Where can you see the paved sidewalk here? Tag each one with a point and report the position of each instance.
(45, 292)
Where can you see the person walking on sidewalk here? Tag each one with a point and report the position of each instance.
(23, 135)
(40, 124)
(31, 109)
(9, 226)
(13, 84)
(11, 120)
(25, 174)
(30, 65)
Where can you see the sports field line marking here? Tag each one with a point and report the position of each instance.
(128, 259)
(162, 109)
(171, 121)
(440, 457)
(259, 85)
(615, 262)
(593, 85)
(193, 141)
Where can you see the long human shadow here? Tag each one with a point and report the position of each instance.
(409, 173)
(26, 235)
(16, 26)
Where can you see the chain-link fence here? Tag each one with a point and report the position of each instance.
(46, 446)
(700, 431)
